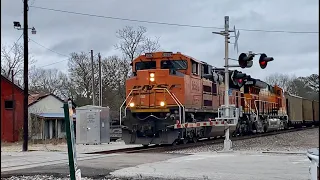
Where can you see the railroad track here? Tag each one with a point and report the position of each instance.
(149, 149)
(202, 142)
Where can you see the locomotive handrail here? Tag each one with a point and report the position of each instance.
(125, 109)
(123, 104)
(261, 101)
(246, 103)
(249, 106)
(177, 102)
(183, 109)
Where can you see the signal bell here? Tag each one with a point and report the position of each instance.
(245, 61)
(263, 60)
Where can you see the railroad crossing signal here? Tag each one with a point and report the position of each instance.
(245, 61)
(238, 79)
(263, 60)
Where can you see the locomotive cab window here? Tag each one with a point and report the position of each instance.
(145, 65)
(195, 65)
(206, 70)
(174, 64)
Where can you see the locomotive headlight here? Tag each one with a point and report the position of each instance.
(152, 77)
(162, 103)
(131, 104)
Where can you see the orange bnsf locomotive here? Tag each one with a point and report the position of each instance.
(173, 98)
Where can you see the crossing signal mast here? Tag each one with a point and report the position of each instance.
(238, 79)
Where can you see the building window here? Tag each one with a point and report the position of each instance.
(8, 104)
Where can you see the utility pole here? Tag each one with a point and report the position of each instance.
(25, 75)
(100, 81)
(92, 71)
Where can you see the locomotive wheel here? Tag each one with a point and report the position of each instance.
(175, 143)
(265, 128)
(194, 139)
(184, 141)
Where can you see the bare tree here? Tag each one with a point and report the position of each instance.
(308, 87)
(150, 45)
(134, 42)
(12, 60)
(115, 71)
(313, 82)
(81, 78)
(48, 81)
(282, 80)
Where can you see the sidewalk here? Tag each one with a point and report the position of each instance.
(24, 160)
(63, 147)
(224, 166)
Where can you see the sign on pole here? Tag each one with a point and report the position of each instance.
(75, 173)
(230, 92)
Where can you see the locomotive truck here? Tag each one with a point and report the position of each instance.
(174, 98)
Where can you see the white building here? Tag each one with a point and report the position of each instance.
(46, 116)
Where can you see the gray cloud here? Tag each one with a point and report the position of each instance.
(65, 33)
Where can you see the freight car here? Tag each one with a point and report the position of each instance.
(302, 112)
(174, 98)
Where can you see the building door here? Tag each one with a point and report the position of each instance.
(93, 131)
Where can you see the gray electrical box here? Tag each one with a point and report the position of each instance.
(92, 125)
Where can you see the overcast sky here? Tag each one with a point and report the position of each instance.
(65, 33)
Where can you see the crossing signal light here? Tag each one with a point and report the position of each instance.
(245, 61)
(238, 79)
(263, 60)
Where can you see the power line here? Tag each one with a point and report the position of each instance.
(15, 43)
(57, 62)
(51, 51)
(172, 24)
(47, 48)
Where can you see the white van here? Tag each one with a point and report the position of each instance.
(313, 155)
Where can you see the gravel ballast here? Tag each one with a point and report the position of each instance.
(298, 141)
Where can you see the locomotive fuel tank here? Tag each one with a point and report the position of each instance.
(274, 124)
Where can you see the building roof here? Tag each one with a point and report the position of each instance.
(90, 107)
(33, 98)
(3, 78)
(53, 115)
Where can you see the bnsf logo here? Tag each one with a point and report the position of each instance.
(150, 87)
